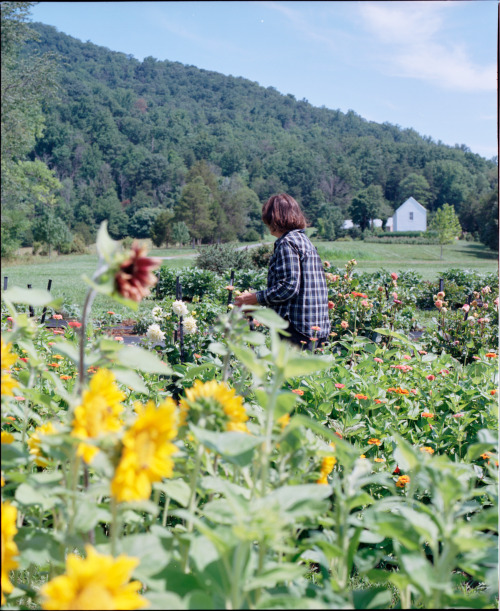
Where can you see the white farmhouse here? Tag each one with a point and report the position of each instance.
(410, 216)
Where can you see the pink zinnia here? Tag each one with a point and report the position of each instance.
(75, 324)
(377, 360)
(430, 377)
(466, 307)
(338, 385)
(394, 276)
(344, 324)
(438, 303)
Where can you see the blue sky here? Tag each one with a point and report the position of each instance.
(428, 65)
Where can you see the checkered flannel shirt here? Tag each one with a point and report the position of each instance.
(296, 285)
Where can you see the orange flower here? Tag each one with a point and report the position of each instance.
(315, 328)
(490, 355)
(54, 365)
(298, 391)
(374, 442)
(402, 391)
(493, 392)
(486, 455)
(339, 435)
(75, 324)
(135, 277)
(402, 481)
(427, 449)
(64, 377)
(359, 396)
(427, 415)
(377, 459)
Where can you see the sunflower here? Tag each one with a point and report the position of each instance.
(147, 450)
(94, 582)
(9, 548)
(223, 396)
(99, 412)
(8, 359)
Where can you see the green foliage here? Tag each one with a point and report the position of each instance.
(447, 225)
(261, 255)
(366, 205)
(222, 257)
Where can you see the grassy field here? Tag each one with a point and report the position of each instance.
(66, 271)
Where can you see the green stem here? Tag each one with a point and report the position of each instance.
(165, 511)
(115, 526)
(83, 335)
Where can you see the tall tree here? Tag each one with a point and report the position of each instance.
(25, 83)
(194, 209)
(366, 206)
(447, 225)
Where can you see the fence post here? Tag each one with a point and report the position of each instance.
(230, 293)
(5, 282)
(32, 311)
(441, 285)
(42, 320)
(177, 284)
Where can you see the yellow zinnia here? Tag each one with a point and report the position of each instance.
(34, 442)
(7, 360)
(231, 403)
(9, 548)
(147, 450)
(94, 582)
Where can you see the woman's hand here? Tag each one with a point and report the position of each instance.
(246, 298)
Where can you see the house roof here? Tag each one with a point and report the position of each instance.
(412, 201)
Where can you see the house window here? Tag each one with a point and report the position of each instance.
(411, 216)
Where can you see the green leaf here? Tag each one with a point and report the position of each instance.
(134, 357)
(269, 578)
(164, 600)
(372, 598)
(269, 318)
(300, 500)
(106, 247)
(304, 365)
(247, 357)
(33, 297)
(131, 379)
(236, 448)
(176, 489)
(405, 455)
(38, 547)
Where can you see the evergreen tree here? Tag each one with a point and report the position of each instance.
(194, 209)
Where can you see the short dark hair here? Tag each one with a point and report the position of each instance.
(282, 213)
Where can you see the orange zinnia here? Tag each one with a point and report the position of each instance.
(402, 481)
(374, 442)
(491, 355)
(427, 415)
(359, 396)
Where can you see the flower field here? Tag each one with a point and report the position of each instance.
(216, 467)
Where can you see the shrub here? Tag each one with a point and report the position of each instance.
(260, 256)
(221, 257)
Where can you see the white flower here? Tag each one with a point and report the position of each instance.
(179, 308)
(157, 313)
(189, 325)
(155, 334)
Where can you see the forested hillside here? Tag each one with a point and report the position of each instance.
(174, 152)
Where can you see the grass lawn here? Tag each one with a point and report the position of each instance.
(66, 271)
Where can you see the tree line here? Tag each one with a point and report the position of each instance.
(175, 153)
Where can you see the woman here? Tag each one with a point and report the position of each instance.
(296, 286)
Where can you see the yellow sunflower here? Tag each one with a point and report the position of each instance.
(34, 442)
(147, 450)
(9, 548)
(231, 403)
(94, 582)
(99, 412)
(7, 360)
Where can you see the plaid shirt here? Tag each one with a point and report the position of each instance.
(296, 285)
